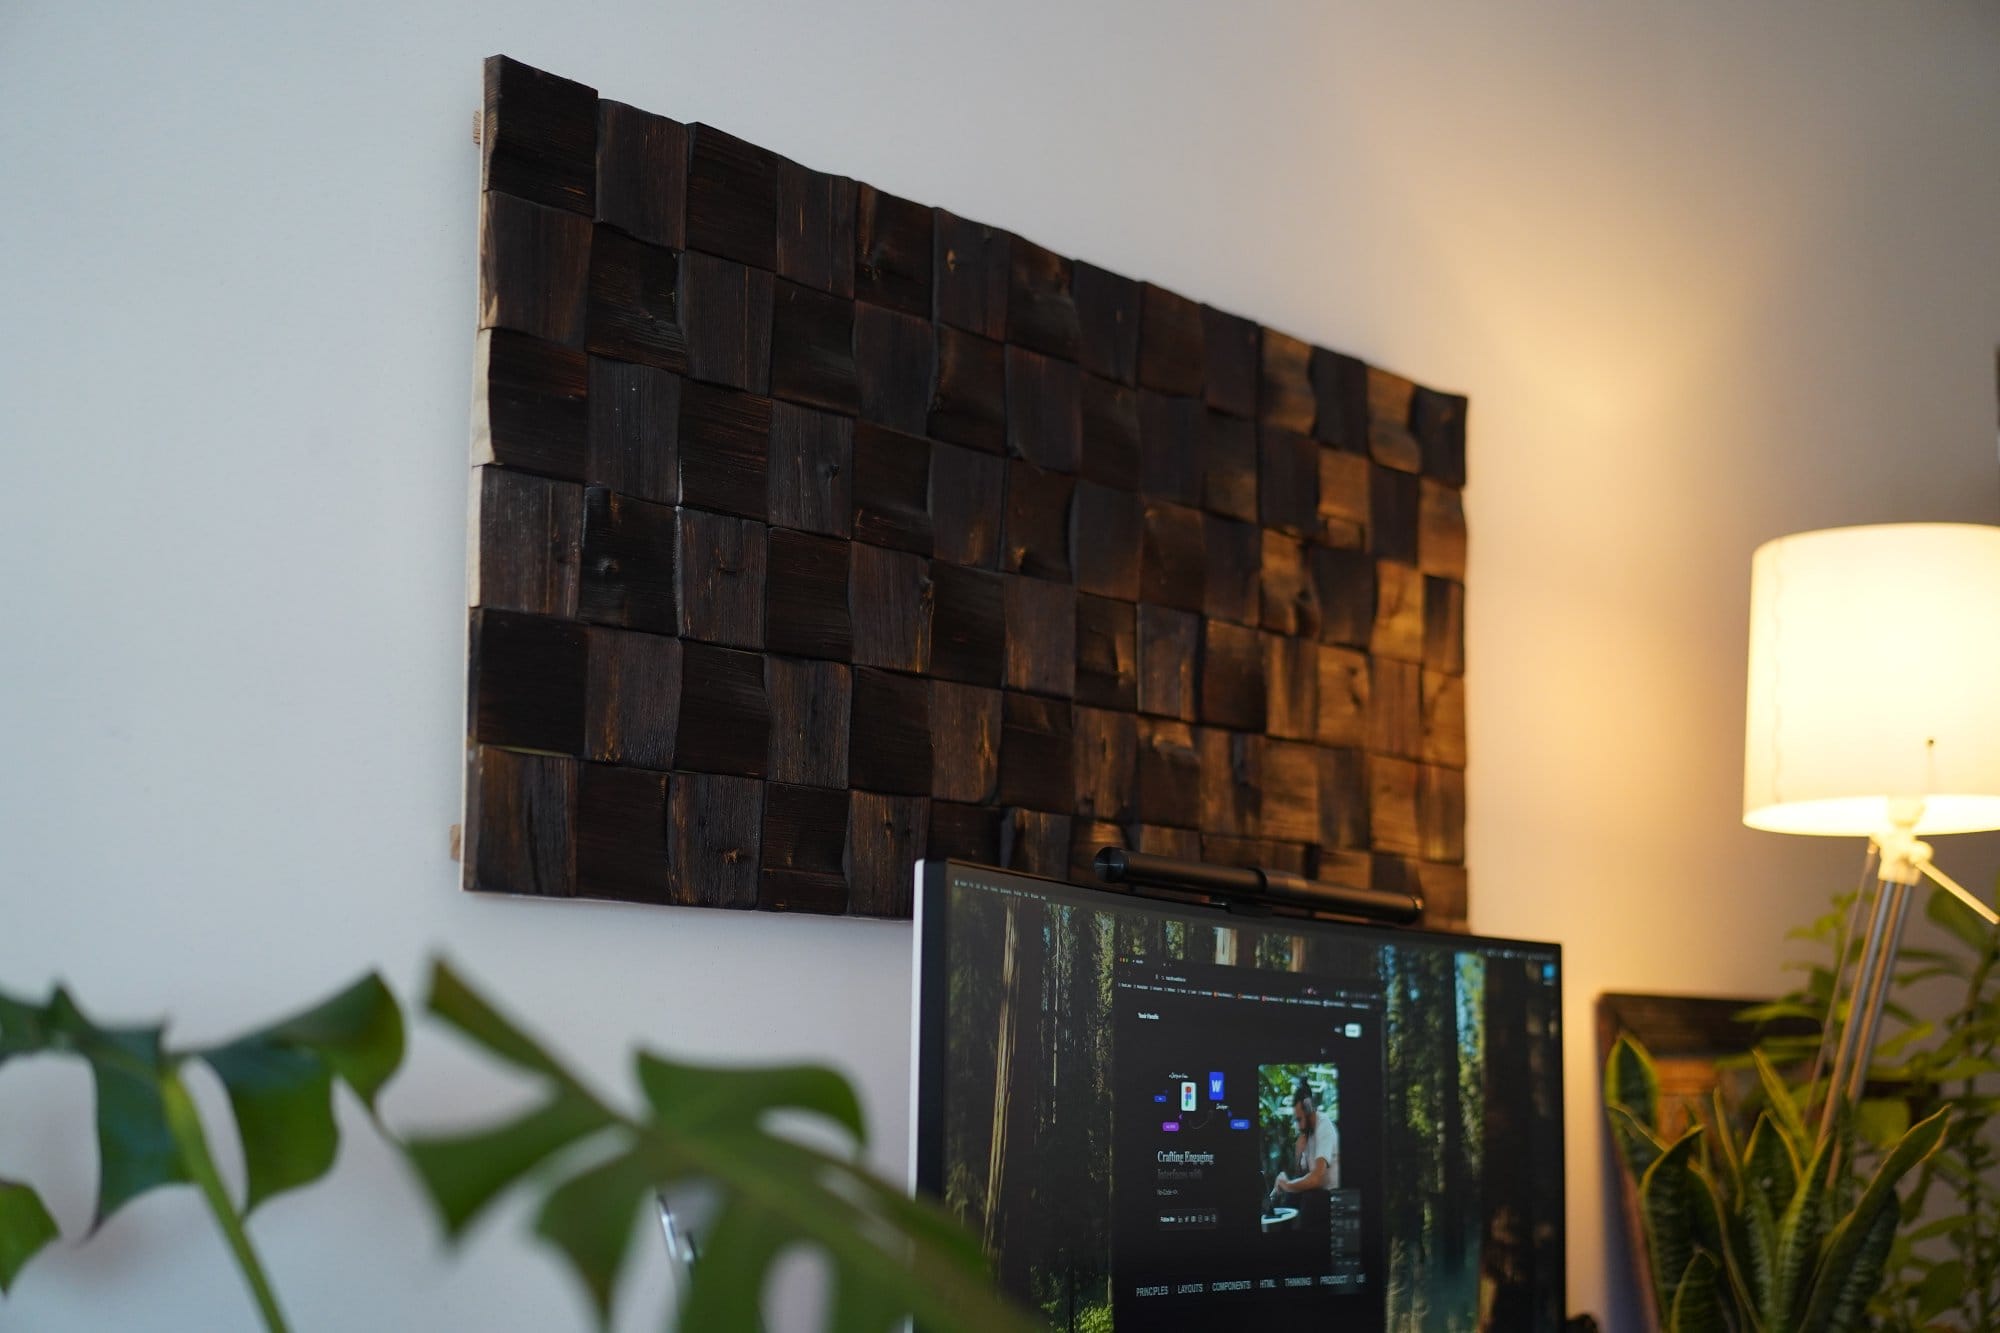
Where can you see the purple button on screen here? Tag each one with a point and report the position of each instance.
(1172, 1126)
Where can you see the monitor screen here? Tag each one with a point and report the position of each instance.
(1159, 1116)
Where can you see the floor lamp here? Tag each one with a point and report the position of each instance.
(1874, 711)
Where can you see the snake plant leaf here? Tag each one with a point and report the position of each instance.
(1697, 1306)
(1725, 1147)
(25, 1227)
(464, 1173)
(698, 1098)
(283, 1101)
(1854, 1286)
(1632, 1081)
(589, 1218)
(1665, 1200)
(1637, 1145)
(1799, 1231)
(1784, 1110)
(1855, 1231)
(1881, 1121)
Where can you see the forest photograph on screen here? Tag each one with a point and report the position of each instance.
(1451, 1109)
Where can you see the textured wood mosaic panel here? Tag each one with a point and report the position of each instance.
(816, 530)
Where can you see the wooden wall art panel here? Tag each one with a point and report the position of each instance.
(816, 530)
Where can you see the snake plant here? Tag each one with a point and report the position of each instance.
(1775, 1233)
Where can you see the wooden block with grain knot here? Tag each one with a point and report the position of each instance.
(1395, 703)
(1168, 775)
(1292, 672)
(1289, 600)
(965, 724)
(972, 275)
(892, 484)
(1169, 648)
(1104, 541)
(1044, 410)
(815, 245)
(1106, 765)
(1443, 719)
(1035, 531)
(1390, 442)
(714, 827)
(886, 839)
(892, 258)
(1232, 782)
(634, 303)
(1399, 613)
(890, 603)
(1041, 636)
(530, 542)
(1041, 308)
(1285, 398)
(965, 505)
(628, 576)
(1345, 488)
(723, 579)
(1107, 653)
(1173, 570)
(1288, 482)
(1441, 530)
(810, 470)
(1342, 697)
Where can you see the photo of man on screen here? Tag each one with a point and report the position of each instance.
(1317, 1159)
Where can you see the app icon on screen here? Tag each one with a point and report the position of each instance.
(1187, 1096)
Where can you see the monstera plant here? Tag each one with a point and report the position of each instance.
(597, 1166)
(1775, 1233)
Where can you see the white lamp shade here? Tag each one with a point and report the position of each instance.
(1874, 677)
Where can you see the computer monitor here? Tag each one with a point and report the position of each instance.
(1158, 1116)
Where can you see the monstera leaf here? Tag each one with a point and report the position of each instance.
(891, 1255)
(280, 1084)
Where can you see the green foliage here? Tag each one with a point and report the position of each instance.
(280, 1084)
(891, 1255)
(1779, 1236)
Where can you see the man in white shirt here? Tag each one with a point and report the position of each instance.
(1318, 1147)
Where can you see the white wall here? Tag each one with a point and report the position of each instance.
(1710, 272)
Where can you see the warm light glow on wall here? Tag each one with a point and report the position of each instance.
(1874, 677)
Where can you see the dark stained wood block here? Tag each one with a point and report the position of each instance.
(889, 738)
(1395, 719)
(1235, 564)
(642, 174)
(965, 832)
(628, 575)
(1107, 653)
(1036, 842)
(810, 482)
(1343, 697)
(890, 601)
(1168, 768)
(632, 697)
(520, 832)
(539, 136)
(1444, 889)
(1107, 764)
(1107, 310)
(1041, 308)
(1285, 393)
(1392, 806)
(1233, 351)
(634, 430)
(971, 275)
(1086, 839)
(529, 410)
(1104, 541)
(1444, 625)
(965, 741)
(1344, 582)
(1169, 647)
(1290, 602)
(1229, 467)
(1173, 569)
(1155, 840)
(884, 843)
(804, 851)
(527, 684)
(635, 312)
(1255, 853)
(1345, 484)
(1041, 636)
(1340, 388)
(1035, 531)
(621, 835)
(810, 707)
(1171, 447)
(1292, 673)
(1037, 759)
(1394, 499)
(812, 349)
(892, 487)
(1110, 448)
(534, 269)
(815, 229)
(805, 597)
(1232, 781)
(1044, 410)
(1443, 709)
(1441, 530)
(892, 256)
(894, 361)
(1343, 798)
(723, 566)
(1353, 868)
(1390, 442)
(1288, 482)
(714, 825)
(969, 402)
(1171, 354)
(725, 445)
(732, 198)
(1441, 814)
(530, 540)
(965, 505)
(1234, 678)
(1289, 808)
(969, 624)
(1437, 420)
(1399, 613)
(725, 712)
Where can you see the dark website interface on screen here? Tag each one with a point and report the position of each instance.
(1227, 1078)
